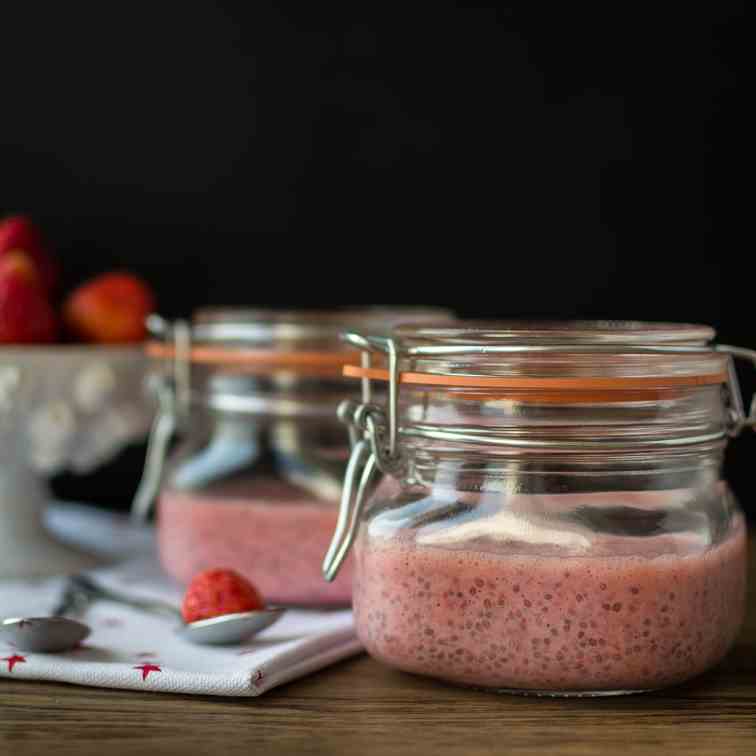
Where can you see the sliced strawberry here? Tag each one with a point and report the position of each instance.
(219, 591)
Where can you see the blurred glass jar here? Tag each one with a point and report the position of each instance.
(255, 481)
(552, 519)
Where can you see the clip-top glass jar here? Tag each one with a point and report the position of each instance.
(552, 519)
(255, 481)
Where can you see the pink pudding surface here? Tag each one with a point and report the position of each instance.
(551, 623)
(274, 534)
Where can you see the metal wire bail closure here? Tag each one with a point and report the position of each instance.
(173, 395)
(368, 420)
(374, 441)
(359, 474)
(738, 418)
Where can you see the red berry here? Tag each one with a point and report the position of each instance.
(109, 309)
(17, 232)
(26, 317)
(219, 591)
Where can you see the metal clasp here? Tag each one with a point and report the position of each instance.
(173, 393)
(359, 474)
(738, 417)
(367, 420)
(374, 441)
(369, 453)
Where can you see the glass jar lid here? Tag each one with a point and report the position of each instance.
(581, 385)
(266, 361)
(268, 341)
(555, 356)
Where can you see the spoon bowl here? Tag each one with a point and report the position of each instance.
(40, 635)
(229, 629)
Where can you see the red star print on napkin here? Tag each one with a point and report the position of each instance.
(147, 668)
(13, 660)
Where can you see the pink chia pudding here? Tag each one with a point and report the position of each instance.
(552, 623)
(272, 533)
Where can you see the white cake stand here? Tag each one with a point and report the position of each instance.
(61, 407)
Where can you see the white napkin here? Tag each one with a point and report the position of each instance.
(133, 649)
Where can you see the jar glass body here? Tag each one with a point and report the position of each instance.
(570, 541)
(255, 483)
(551, 575)
(259, 496)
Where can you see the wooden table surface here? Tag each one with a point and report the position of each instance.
(359, 707)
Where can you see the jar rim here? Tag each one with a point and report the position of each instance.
(553, 355)
(619, 332)
(265, 326)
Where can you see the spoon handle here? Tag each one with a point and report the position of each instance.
(72, 601)
(93, 590)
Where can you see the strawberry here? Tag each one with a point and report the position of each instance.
(216, 592)
(17, 232)
(110, 308)
(26, 317)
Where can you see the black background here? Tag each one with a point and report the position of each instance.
(533, 160)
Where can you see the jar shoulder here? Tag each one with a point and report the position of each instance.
(497, 517)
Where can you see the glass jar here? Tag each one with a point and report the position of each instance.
(255, 481)
(552, 518)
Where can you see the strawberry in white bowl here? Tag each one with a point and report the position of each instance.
(71, 388)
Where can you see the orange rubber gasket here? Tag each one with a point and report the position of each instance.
(552, 390)
(257, 359)
(568, 397)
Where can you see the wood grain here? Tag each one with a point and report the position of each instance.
(362, 708)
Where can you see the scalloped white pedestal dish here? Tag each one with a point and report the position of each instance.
(61, 407)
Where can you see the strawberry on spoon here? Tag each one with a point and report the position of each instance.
(222, 607)
(219, 591)
(59, 633)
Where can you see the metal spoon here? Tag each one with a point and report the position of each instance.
(228, 629)
(47, 634)
(57, 633)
